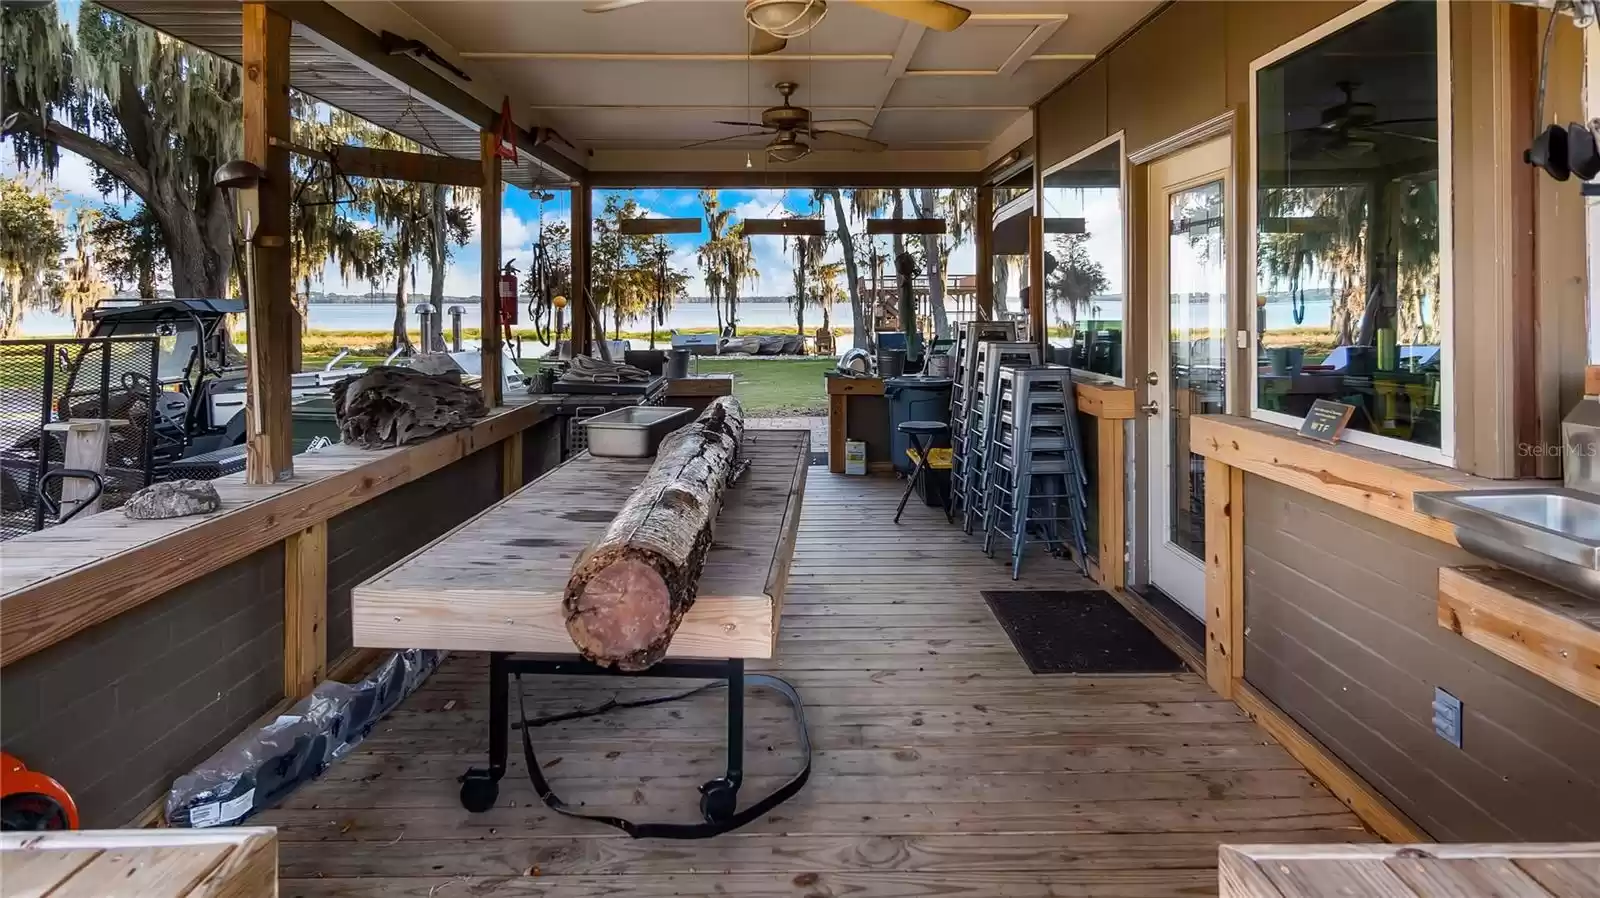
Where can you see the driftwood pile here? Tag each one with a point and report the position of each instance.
(630, 591)
(389, 406)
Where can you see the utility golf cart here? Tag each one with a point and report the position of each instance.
(164, 377)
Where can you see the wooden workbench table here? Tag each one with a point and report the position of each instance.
(226, 862)
(495, 583)
(1528, 870)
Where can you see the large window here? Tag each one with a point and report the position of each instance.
(1084, 258)
(1349, 289)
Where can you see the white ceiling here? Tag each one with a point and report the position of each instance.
(660, 74)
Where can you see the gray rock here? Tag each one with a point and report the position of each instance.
(173, 499)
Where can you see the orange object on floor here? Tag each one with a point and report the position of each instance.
(31, 801)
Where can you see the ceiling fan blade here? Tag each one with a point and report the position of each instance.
(841, 124)
(1384, 132)
(762, 43)
(742, 124)
(701, 143)
(838, 140)
(609, 5)
(935, 14)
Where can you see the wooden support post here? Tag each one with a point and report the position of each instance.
(1224, 576)
(985, 252)
(511, 464)
(489, 237)
(838, 416)
(86, 440)
(582, 243)
(1039, 326)
(264, 213)
(305, 610)
(1110, 453)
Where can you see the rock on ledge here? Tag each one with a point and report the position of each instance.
(173, 499)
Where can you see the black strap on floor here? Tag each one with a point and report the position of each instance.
(703, 830)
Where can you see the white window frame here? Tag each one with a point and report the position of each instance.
(1119, 138)
(1445, 454)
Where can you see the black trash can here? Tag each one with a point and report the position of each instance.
(917, 398)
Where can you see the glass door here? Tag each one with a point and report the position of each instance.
(1188, 340)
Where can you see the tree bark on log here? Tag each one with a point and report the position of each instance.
(392, 406)
(630, 591)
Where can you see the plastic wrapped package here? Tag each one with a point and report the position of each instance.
(256, 770)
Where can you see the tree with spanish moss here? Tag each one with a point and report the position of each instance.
(153, 116)
(32, 240)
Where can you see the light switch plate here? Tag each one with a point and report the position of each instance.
(1447, 716)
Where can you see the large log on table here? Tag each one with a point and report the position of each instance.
(630, 591)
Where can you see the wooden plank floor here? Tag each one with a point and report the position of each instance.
(942, 767)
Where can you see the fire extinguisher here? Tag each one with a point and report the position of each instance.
(508, 299)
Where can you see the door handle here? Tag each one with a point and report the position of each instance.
(1152, 378)
(1150, 408)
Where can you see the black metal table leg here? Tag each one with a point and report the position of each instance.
(719, 798)
(481, 787)
(916, 472)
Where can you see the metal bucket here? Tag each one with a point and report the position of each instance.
(891, 362)
(677, 364)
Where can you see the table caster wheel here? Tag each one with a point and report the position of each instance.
(479, 792)
(718, 800)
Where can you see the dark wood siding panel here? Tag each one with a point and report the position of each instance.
(370, 537)
(1341, 633)
(115, 713)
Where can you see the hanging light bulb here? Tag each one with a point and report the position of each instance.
(747, 162)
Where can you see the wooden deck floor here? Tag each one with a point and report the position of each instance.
(942, 767)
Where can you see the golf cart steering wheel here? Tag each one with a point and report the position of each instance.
(135, 382)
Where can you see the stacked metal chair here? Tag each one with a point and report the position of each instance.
(1034, 480)
(969, 334)
(982, 402)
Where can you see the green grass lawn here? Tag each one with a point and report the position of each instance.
(772, 388)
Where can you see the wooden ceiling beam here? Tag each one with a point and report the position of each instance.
(396, 165)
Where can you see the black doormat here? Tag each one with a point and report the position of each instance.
(1081, 631)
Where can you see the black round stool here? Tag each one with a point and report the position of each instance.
(922, 434)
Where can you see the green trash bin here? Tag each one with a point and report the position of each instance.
(918, 398)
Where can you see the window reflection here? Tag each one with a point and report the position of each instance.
(1347, 275)
(1083, 236)
(1197, 320)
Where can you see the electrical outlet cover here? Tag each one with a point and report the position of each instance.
(1447, 716)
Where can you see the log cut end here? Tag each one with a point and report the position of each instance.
(620, 612)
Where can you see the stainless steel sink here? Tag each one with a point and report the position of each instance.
(1552, 533)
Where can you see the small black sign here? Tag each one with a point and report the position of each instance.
(1326, 420)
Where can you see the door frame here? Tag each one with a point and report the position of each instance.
(1142, 295)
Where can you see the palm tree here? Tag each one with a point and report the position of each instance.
(738, 268)
(807, 256)
(710, 253)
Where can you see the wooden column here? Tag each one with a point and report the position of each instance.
(511, 463)
(582, 243)
(86, 440)
(1224, 576)
(985, 252)
(489, 243)
(264, 212)
(305, 610)
(1110, 455)
(1036, 316)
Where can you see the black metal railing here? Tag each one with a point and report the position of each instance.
(46, 382)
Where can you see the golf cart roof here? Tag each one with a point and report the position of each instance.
(136, 310)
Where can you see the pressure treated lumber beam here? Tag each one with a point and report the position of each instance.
(489, 242)
(265, 214)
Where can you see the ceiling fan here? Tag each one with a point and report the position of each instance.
(776, 21)
(1352, 127)
(789, 123)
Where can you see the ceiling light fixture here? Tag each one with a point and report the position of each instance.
(785, 18)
